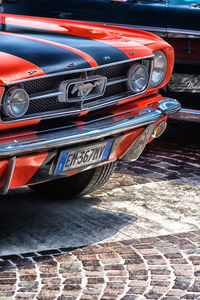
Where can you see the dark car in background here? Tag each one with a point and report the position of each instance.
(177, 21)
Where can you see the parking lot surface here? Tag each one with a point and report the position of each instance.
(143, 227)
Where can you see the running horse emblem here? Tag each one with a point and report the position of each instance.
(84, 89)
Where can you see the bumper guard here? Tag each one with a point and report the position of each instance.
(92, 130)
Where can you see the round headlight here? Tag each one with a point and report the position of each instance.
(16, 103)
(159, 68)
(138, 78)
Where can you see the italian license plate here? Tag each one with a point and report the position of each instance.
(84, 156)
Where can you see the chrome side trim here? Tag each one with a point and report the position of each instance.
(185, 114)
(93, 130)
(161, 31)
(7, 176)
(181, 33)
(78, 70)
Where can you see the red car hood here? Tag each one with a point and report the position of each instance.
(31, 46)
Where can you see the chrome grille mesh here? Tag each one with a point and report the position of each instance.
(46, 106)
(111, 72)
(45, 84)
(114, 89)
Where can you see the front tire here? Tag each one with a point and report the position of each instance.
(77, 185)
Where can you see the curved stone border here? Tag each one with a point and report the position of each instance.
(165, 267)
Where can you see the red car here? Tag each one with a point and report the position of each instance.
(75, 98)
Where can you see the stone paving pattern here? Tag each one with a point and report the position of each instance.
(175, 156)
(164, 267)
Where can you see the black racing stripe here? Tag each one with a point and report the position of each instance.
(49, 58)
(99, 50)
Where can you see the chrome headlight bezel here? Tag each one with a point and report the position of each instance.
(9, 103)
(159, 68)
(135, 80)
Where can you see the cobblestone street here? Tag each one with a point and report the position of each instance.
(166, 267)
(136, 238)
(175, 156)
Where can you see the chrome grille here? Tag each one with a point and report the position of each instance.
(44, 99)
(111, 72)
(47, 104)
(114, 89)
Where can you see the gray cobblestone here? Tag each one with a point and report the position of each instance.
(161, 267)
(67, 276)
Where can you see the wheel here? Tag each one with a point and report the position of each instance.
(77, 185)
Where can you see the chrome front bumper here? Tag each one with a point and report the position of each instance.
(92, 130)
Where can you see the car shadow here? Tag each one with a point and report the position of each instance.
(30, 223)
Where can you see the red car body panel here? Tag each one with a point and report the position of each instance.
(48, 46)
(143, 45)
(28, 165)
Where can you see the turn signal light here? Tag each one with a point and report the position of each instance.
(159, 129)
